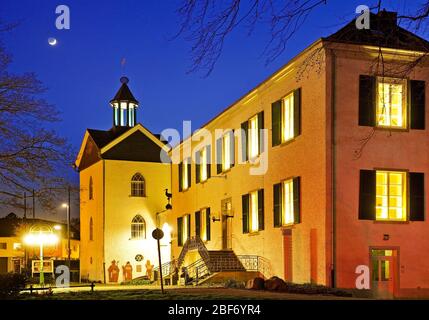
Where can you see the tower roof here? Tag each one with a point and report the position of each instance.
(124, 93)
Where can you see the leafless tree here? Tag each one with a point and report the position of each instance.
(31, 155)
(208, 23)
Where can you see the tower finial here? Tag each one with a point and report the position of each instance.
(124, 80)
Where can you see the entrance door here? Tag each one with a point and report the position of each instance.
(384, 272)
(226, 224)
(17, 266)
(3, 265)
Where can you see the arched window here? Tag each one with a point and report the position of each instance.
(91, 229)
(138, 187)
(91, 189)
(138, 228)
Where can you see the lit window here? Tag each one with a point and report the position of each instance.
(391, 195)
(287, 118)
(226, 152)
(254, 224)
(288, 210)
(16, 246)
(138, 186)
(253, 137)
(203, 225)
(138, 228)
(185, 184)
(203, 164)
(185, 231)
(391, 103)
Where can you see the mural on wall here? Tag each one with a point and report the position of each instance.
(127, 271)
(149, 268)
(113, 272)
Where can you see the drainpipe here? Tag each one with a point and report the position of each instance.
(333, 167)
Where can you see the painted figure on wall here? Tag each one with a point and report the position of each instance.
(113, 272)
(149, 268)
(127, 271)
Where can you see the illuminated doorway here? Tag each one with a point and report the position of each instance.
(384, 272)
(226, 224)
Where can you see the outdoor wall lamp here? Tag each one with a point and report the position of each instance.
(214, 219)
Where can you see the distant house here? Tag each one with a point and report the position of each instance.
(16, 256)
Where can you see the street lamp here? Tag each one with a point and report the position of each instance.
(41, 235)
(65, 205)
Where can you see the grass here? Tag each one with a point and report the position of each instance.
(174, 294)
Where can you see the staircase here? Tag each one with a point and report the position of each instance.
(224, 260)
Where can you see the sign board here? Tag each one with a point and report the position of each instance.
(48, 266)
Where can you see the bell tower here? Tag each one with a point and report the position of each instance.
(124, 106)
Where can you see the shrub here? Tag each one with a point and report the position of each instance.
(11, 284)
(231, 283)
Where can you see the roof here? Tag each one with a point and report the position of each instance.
(104, 137)
(124, 93)
(384, 32)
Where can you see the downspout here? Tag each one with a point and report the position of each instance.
(333, 167)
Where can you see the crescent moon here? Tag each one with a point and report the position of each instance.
(52, 41)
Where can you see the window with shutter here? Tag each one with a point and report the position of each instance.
(417, 196)
(391, 111)
(244, 141)
(180, 231)
(391, 200)
(261, 218)
(417, 108)
(367, 99)
(245, 212)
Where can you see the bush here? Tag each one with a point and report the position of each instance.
(233, 284)
(11, 284)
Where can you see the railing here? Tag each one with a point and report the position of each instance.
(191, 244)
(167, 268)
(31, 288)
(256, 263)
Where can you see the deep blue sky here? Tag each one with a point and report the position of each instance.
(82, 72)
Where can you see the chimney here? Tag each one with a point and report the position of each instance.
(386, 20)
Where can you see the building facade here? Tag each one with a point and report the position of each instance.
(345, 146)
(122, 183)
(320, 171)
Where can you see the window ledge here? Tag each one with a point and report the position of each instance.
(254, 233)
(287, 226)
(390, 222)
(396, 129)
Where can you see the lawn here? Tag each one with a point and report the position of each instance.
(177, 294)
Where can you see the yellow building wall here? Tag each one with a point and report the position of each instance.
(121, 208)
(304, 157)
(91, 251)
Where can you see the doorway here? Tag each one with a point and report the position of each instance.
(384, 272)
(226, 224)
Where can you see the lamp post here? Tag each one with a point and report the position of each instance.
(41, 235)
(65, 205)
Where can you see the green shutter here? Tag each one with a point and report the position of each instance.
(276, 122)
(232, 146)
(277, 204)
(296, 200)
(417, 101)
(261, 132)
(261, 218)
(417, 196)
(367, 100)
(297, 109)
(189, 173)
(180, 176)
(245, 210)
(208, 223)
(244, 140)
(197, 167)
(219, 155)
(367, 193)
(180, 231)
(189, 226)
(209, 161)
(197, 224)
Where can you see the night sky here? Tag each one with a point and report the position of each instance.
(82, 72)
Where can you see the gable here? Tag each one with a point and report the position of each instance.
(90, 154)
(136, 147)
